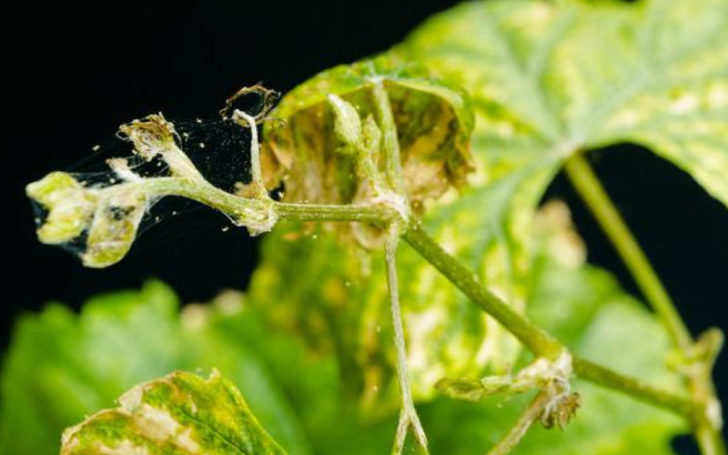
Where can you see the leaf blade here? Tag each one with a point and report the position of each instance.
(180, 413)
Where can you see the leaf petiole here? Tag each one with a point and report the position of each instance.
(699, 380)
(408, 414)
(536, 339)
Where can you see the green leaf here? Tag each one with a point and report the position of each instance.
(347, 123)
(340, 303)
(181, 413)
(62, 367)
(548, 79)
(607, 423)
(584, 307)
(312, 384)
(338, 309)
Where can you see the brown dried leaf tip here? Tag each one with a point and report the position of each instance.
(267, 100)
(560, 410)
(150, 136)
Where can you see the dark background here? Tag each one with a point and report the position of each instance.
(72, 76)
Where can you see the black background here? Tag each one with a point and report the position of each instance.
(73, 75)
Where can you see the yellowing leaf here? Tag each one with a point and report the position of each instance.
(69, 207)
(546, 80)
(549, 79)
(62, 367)
(433, 125)
(181, 413)
(114, 227)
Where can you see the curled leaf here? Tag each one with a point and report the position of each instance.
(99, 218)
(560, 410)
(181, 413)
(152, 136)
(267, 99)
(104, 220)
(69, 207)
(433, 123)
(461, 388)
(114, 227)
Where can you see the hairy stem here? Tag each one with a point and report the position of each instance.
(519, 430)
(591, 191)
(408, 415)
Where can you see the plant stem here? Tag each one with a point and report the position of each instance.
(533, 337)
(587, 184)
(256, 173)
(633, 387)
(591, 191)
(532, 412)
(377, 214)
(408, 415)
(536, 339)
(234, 205)
(710, 441)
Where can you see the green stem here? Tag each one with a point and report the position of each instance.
(377, 214)
(633, 387)
(536, 339)
(408, 415)
(590, 189)
(238, 206)
(519, 430)
(596, 198)
(710, 441)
